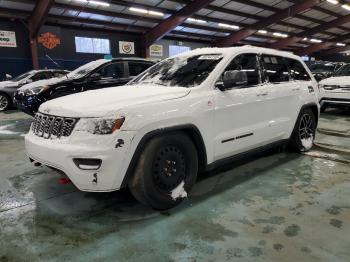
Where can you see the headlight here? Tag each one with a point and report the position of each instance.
(99, 126)
(36, 90)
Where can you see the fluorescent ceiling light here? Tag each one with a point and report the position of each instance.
(155, 13)
(334, 2)
(196, 20)
(262, 31)
(138, 10)
(229, 26)
(144, 11)
(340, 44)
(280, 35)
(93, 2)
(98, 3)
(347, 7)
(315, 40)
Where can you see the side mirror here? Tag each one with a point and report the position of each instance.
(234, 79)
(26, 81)
(95, 77)
(8, 77)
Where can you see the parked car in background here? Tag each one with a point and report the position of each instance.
(335, 91)
(186, 114)
(9, 87)
(322, 70)
(98, 74)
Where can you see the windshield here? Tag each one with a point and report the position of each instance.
(85, 69)
(22, 76)
(185, 71)
(343, 71)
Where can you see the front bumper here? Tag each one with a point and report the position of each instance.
(328, 101)
(27, 104)
(59, 154)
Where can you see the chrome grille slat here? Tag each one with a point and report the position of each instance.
(48, 126)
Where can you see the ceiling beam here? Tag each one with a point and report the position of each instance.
(38, 16)
(321, 46)
(309, 33)
(173, 21)
(283, 14)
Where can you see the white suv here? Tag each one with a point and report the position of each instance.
(186, 114)
(335, 91)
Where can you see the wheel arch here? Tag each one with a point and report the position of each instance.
(314, 108)
(189, 129)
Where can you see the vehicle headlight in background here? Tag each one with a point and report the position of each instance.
(36, 90)
(100, 126)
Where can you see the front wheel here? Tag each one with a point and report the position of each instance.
(166, 171)
(304, 131)
(5, 102)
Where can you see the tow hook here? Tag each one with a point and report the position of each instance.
(64, 181)
(94, 181)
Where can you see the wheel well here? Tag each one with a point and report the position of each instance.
(190, 130)
(314, 109)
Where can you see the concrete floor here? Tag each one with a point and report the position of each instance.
(274, 207)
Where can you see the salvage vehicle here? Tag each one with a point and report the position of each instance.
(335, 91)
(97, 74)
(9, 87)
(186, 114)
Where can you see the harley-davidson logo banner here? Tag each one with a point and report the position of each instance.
(49, 40)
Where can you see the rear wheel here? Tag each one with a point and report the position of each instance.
(5, 102)
(166, 171)
(304, 131)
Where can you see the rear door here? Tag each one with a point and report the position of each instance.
(282, 99)
(112, 74)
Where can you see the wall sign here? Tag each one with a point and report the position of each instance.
(49, 40)
(8, 39)
(126, 47)
(156, 50)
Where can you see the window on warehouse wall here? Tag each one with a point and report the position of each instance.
(92, 45)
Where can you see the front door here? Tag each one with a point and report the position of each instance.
(241, 113)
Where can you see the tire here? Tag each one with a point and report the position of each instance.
(167, 162)
(304, 131)
(5, 102)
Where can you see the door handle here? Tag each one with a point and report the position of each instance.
(262, 93)
(296, 88)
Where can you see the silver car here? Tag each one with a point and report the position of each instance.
(9, 87)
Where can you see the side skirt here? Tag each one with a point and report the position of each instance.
(240, 156)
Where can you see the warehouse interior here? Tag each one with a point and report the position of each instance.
(273, 205)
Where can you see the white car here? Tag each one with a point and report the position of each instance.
(186, 114)
(335, 91)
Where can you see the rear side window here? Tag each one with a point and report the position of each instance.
(113, 70)
(275, 69)
(247, 63)
(297, 70)
(58, 73)
(136, 68)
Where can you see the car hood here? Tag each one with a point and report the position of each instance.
(45, 82)
(106, 102)
(337, 80)
(4, 84)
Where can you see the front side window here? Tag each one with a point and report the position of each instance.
(114, 70)
(92, 45)
(136, 68)
(275, 69)
(184, 71)
(248, 64)
(40, 76)
(297, 70)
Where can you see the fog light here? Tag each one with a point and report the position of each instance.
(87, 163)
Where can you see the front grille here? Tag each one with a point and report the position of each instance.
(48, 126)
